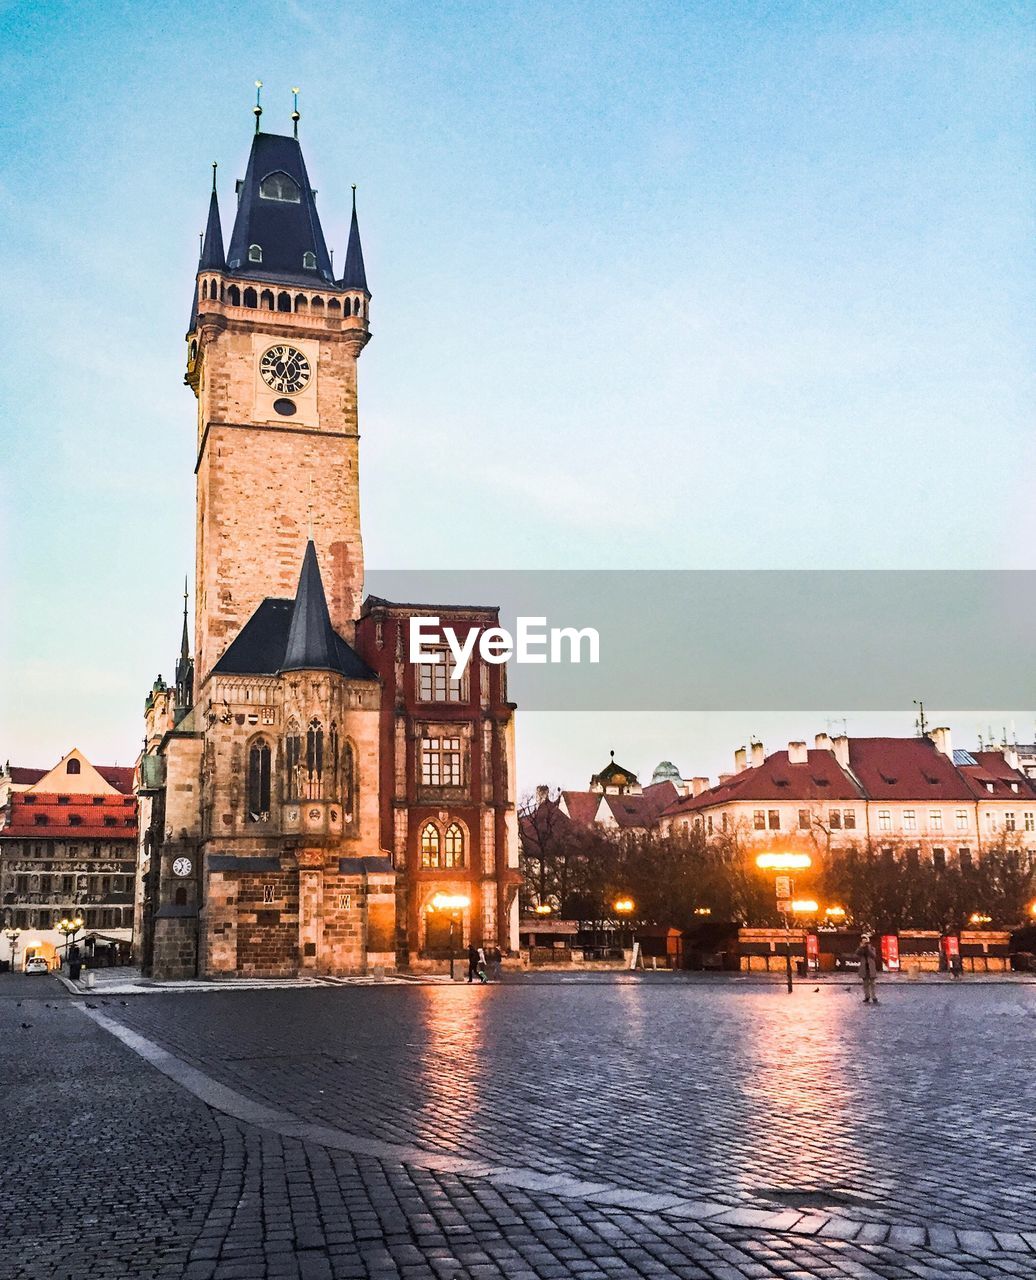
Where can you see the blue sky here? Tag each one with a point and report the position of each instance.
(656, 285)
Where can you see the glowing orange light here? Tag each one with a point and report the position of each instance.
(449, 902)
(804, 906)
(783, 861)
(623, 905)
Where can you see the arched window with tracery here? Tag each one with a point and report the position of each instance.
(453, 846)
(430, 845)
(314, 759)
(259, 758)
(331, 761)
(293, 761)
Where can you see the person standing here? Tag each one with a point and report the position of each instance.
(472, 962)
(482, 965)
(868, 958)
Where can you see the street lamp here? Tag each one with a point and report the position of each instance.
(979, 918)
(451, 902)
(543, 909)
(12, 935)
(623, 908)
(783, 862)
(703, 911)
(69, 926)
(835, 913)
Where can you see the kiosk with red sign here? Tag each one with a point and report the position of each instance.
(890, 952)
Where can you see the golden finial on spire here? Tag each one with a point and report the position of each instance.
(257, 110)
(295, 117)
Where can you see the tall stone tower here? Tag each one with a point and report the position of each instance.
(272, 350)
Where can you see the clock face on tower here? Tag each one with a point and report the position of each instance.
(182, 867)
(285, 369)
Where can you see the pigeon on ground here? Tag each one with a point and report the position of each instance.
(26, 1026)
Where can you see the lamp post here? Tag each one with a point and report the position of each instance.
(12, 935)
(69, 926)
(784, 862)
(543, 909)
(451, 902)
(623, 908)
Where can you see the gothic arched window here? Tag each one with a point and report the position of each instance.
(332, 760)
(259, 782)
(314, 759)
(249, 299)
(278, 186)
(349, 790)
(430, 845)
(293, 761)
(453, 846)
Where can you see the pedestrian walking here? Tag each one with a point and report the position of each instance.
(496, 961)
(473, 962)
(482, 965)
(957, 965)
(868, 959)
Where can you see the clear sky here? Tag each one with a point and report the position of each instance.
(656, 285)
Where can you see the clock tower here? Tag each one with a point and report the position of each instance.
(271, 357)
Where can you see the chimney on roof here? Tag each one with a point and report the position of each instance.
(698, 785)
(758, 755)
(840, 746)
(797, 753)
(1011, 757)
(822, 742)
(724, 778)
(740, 760)
(943, 743)
(542, 795)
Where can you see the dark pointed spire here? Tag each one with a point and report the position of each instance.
(354, 276)
(184, 670)
(312, 644)
(257, 110)
(295, 117)
(212, 256)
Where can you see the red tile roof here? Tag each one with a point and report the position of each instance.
(58, 815)
(992, 778)
(905, 769)
(27, 776)
(643, 809)
(582, 806)
(820, 778)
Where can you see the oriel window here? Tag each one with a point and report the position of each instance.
(314, 760)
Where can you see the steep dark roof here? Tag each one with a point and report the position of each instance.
(354, 276)
(294, 635)
(261, 643)
(212, 258)
(311, 638)
(284, 230)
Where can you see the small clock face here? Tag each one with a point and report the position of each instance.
(182, 867)
(285, 369)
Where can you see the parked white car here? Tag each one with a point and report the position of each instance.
(36, 964)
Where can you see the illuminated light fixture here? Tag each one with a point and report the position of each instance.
(804, 906)
(783, 861)
(835, 913)
(623, 905)
(449, 902)
(543, 909)
(703, 911)
(978, 917)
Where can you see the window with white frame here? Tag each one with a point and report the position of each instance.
(884, 819)
(909, 820)
(440, 762)
(773, 819)
(1009, 822)
(1029, 819)
(992, 822)
(849, 819)
(804, 820)
(934, 819)
(962, 819)
(435, 681)
(759, 819)
(834, 819)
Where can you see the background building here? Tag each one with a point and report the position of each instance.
(68, 839)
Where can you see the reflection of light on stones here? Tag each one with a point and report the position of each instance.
(452, 1067)
(797, 1083)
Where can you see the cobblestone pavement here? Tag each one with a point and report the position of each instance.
(630, 1128)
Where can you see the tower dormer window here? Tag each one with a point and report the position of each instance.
(309, 260)
(278, 186)
(255, 253)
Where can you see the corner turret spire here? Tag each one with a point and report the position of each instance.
(354, 276)
(312, 643)
(184, 670)
(212, 256)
